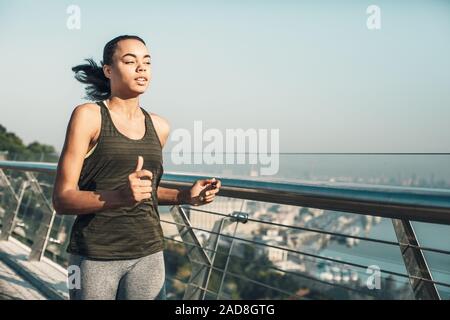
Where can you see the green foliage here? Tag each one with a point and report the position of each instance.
(17, 150)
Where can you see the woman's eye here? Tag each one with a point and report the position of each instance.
(148, 62)
(129, 62)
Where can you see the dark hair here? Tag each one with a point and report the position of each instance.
(98, 86)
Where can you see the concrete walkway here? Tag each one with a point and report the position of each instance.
(29, 280)
(14, 287)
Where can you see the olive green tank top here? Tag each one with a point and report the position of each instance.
(126, 232)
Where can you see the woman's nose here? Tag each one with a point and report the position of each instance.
(141, 67)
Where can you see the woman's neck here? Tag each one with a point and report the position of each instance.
(128, 107)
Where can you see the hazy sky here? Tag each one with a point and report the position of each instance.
(311, 69)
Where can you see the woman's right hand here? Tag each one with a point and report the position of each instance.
(138, 189)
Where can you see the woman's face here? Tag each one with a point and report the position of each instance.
(130, 72)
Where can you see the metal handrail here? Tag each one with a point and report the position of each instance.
(416, 204)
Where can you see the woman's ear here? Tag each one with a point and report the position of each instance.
(107, 71)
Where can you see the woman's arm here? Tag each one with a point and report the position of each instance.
(201, 192)
(171, 196)
(85, 121)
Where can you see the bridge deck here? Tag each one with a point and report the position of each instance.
(23, 279)
(14, 287)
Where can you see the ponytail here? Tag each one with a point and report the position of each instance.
(98, 87)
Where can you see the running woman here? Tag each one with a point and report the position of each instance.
(108, 175)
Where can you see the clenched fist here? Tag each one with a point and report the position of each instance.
(139, 185)
(202, 192)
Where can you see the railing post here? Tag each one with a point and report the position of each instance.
(9, 220)
(415, 262)
(199, 259)
(236, 217)
(202, 260)
(43, 233)
(8, 184)
(213, 242)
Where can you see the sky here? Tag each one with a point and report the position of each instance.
(311, 69)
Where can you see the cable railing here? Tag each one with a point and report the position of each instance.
(328, 232)
(312, 255)
(240, 247)
(268, 266)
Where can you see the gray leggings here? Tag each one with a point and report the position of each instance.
(134, 279)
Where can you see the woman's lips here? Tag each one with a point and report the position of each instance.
(141, 80)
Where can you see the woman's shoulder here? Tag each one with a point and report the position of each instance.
(162, 127)
(87, 108)
(159, 120)
(89, 112)
(86, 117)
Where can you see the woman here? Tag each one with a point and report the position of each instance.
(108, 175)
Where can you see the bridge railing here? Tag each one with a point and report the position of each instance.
(269, 239)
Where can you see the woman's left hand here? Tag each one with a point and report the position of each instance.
(203, 191)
